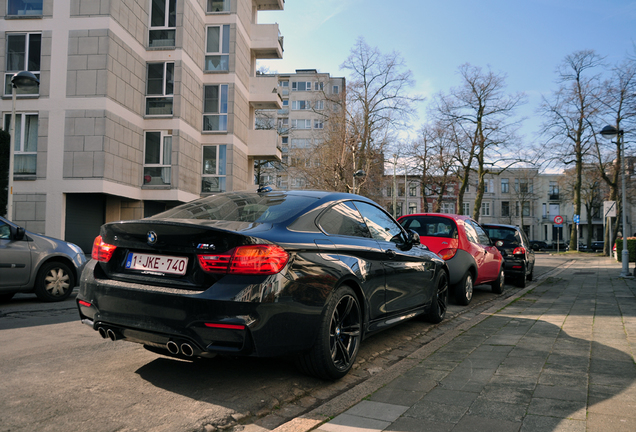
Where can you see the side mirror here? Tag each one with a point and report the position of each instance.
(412, 237)
(499, 243)
(18, 234)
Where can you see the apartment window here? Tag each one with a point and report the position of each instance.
(526, 208)
(217, 49)
(301, 123)
(335, 89)
(163, 23)
(23, 53)
(523, 186)
(466, 209)
(215, 108)
(412, 190)
(319, 124)
(554, 190)
(318, 86)
(300, 105)
(487, 186)
(218, 6)
(24, 7)
(213, 173)
(157, 158)
(284, 140)
(301, 86)
(389, 191)
(505, 209)
(283, 84)
(26, 142)
(448, 207)
(301, 143)
(505, 185)
(285, 103)
(159, 89)
(485, 209)
(319, 105)
(412, 208)
(516, 208)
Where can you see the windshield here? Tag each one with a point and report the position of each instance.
(431, 226)
(241, 207)
(509, 236)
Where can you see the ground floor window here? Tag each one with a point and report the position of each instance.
(214, 168)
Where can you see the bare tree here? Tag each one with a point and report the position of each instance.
(523, 192)
(568, 114)
(378, 102)
(618, 108)
(482, 116)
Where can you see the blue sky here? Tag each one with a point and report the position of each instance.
(526, 40)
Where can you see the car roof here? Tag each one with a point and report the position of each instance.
(446, 215)
(502, 226)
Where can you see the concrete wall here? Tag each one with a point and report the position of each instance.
(30, 211)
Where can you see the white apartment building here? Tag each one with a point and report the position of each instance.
(142, 105)
(308, 99)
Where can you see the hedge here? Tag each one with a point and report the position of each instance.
(631, 247)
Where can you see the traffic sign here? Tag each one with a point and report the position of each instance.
(576, 219)
(558, 220)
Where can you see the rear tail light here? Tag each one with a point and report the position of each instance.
(253, 259)
(102, 251)
(226, 326)
(84, 303)
(447, 253)
(519, 251)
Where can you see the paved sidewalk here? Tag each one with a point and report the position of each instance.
(559, 356)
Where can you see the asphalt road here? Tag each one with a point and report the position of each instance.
(57, 374)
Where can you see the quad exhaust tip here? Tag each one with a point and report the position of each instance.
(102, 332)
(172, 347)
(185, 348)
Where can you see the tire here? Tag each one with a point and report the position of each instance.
(439, 304)
(497, 285)
(464, 289)
(4, 298)
(55, 282)
(531, 274)
(521, 280)
(338, 340)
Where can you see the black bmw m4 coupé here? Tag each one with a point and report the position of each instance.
(302, 273)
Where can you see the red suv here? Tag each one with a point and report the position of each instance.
(471, 257)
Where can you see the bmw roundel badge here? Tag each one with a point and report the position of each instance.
(152, 237)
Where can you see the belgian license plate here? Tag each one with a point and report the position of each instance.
(157, 263)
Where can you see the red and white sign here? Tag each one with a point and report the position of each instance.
(558, 220)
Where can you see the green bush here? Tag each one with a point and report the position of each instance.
(631, 247)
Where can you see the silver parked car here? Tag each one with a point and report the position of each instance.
(30, 262)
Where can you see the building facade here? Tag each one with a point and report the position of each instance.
(309, 100)
(142, 105)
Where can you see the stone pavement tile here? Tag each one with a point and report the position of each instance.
(450, 397)
(506, 393)
(396, 396)
(471, 423)
(436, 412)
(615, 401)
(492, 350)
(377, 410)
(424, 372)
(559, 392)
(439, 364)
(483, 362)
(349, 423)
(412, 382)
(626, 369)
(610, 379)
(497, 410)
(411, 424)
(574, 410)
(563, 379)
(534, 423)
(579, 362)
(518, 382)
(610, 423)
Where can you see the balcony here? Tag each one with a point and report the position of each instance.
(263, 145)
(266, 41)
(264, 93)
(553, 196)
(270, 5)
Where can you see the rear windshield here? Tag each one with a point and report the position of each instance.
(431, 226)
(509, 236)
(241, 207)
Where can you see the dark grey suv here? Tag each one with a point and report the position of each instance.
(31, 262)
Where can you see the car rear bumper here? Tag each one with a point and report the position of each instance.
(232, 318)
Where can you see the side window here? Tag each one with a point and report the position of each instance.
(471, 234)
(481, 234)
(5, 231)
(381, 225)
(343, 219)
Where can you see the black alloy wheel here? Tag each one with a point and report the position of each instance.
(338, 341)
(439, 304)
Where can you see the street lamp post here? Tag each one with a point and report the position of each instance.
(22, 80)
(611, 132)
